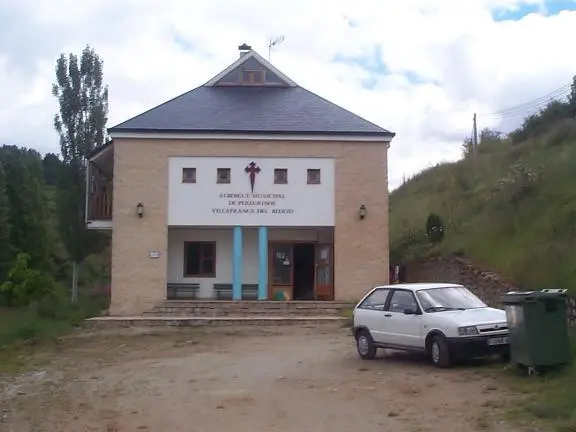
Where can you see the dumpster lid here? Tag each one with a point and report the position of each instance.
(515, 297)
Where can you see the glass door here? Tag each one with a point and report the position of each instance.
(280, 269)
(324, 284)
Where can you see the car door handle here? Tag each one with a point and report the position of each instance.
(388, 315)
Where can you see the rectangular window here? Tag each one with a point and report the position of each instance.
(376, 300)
(280, 176)
(252, 76)
(402, 301)
(188, 175)
(199, 259)
(223, 175)
(313, 176)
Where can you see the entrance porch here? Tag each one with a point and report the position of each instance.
(248, 263)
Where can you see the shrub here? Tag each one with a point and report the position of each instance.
(434, 228)
(25, 285)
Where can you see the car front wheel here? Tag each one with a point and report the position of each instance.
(439, 353)
(365, 345)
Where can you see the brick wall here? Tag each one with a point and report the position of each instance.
(486, 285)
(141, 175)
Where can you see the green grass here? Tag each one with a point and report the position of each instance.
(348, 313)
(38, 325)
(525, 230)
(548, 400)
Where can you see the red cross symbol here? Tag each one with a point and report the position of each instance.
(252, 169)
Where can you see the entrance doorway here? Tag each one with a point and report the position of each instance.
(304, 266)
(300, 271)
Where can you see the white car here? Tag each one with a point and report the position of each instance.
(444, 320)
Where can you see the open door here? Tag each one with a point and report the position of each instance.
(280, 269)
(324, 283)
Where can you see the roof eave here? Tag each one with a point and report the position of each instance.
(98, 150)
(138, 133)
(383, 133)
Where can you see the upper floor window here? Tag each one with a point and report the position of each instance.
(313, 176)
(223, 175)
(188, 175)
(252, 76)
(280, 176)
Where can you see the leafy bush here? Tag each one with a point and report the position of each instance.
(26, 285)
(434, 228)
(541, 123)
(409, 245)
(564, 131)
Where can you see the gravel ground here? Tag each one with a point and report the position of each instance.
(244, 380)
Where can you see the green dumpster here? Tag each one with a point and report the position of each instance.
(538, 327)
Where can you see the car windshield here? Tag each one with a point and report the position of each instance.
(448, 298)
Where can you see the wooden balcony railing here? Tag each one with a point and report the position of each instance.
(100, 206)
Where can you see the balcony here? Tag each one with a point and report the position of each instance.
(99, 188)
(100, 206)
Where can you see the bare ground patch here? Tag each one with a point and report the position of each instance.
(289, 379)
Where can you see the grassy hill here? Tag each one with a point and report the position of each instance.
(511, 208)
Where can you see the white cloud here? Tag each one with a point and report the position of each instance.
(463, 59)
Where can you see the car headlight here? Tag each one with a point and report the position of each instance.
(467, 331)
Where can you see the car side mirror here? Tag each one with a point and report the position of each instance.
(411, 312)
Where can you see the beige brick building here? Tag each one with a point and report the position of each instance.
(248, 187)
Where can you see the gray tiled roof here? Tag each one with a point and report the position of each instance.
(250, 109)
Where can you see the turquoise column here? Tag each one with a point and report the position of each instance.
(263, 263)
(237, 264)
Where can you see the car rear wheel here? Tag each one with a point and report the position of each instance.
(439, 353)
(365, 345)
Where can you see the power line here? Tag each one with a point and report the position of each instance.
(530, 109)
(551, 94)
(527, 110)
(535, 103)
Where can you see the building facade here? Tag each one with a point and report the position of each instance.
(248, 187)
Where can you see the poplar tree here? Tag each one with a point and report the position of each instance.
(81, 124)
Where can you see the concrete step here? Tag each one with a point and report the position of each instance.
(210, 308)
(184, 321)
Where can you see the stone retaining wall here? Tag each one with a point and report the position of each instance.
(486, 285)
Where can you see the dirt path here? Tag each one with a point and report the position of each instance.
(282, 380)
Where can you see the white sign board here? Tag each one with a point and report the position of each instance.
(252, 197)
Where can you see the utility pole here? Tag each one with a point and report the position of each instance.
(475, 136)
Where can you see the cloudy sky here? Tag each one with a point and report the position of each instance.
(420, 68)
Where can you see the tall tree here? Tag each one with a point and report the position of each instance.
(51, 165)
(81, 124)
(572, 97)
(5, 249)
(24, 189)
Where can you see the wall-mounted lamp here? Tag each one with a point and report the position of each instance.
(140, 209)
(362, 211)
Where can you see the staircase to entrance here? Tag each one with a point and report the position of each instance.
(233, 313)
